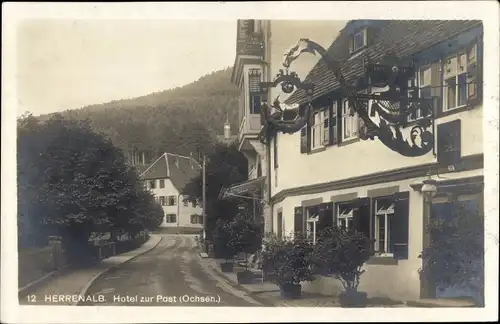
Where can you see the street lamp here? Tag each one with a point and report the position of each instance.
(429, 188)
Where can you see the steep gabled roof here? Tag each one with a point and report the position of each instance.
(401, 37)
(182, 170)
(158, 169)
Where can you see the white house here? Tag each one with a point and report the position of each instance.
(325, 174)
(166, 178)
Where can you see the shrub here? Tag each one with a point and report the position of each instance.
(455, 255)
(245, 235)
(288, 261)
(224, 245)
(340, 254)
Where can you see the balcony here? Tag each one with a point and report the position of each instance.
(251, 44)
(250, 126)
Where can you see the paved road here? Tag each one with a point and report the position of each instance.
(168, 275)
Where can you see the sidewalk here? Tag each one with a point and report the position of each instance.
(269, 294)
(76, 282)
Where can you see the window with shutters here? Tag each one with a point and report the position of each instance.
(196, 219)
(424, 86)
(318, 218)
(456, 81)
(345, 214)
(170, 218)
(193, 202)
(384, 212)
(162, 183)
(152, 184)
(254, 90)
(349, 123)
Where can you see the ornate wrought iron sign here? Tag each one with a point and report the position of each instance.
(383, 112)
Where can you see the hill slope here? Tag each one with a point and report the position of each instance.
(177, 120)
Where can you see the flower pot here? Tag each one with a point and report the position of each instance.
(226, 267)
(353, 299)
(290, 291)
(244, 277)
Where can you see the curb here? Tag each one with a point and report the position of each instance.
(31, 286)
(26, 289)
(264, 301)
(83, 292)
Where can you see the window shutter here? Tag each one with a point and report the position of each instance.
(474, 72)
(299, 220)
(275, 150)
(326, 130)
(333, 124)
(304, 147)
(400, 226)
(339, 122)
(325, 216)
(361, 216)
(370, 36)
(279, 224)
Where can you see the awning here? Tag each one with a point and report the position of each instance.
(238, 190)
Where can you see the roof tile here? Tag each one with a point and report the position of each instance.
(402, 37)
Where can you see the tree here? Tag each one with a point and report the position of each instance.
(455, 255)
(73, 182)
(341, 254)
(225, 167)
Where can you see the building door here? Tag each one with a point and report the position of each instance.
(447, 209)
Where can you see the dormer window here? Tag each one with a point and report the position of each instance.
(358, 41)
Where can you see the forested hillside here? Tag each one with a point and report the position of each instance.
(177, 120)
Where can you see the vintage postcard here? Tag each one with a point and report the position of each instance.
(250, 162)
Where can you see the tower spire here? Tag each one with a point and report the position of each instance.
(227, 127)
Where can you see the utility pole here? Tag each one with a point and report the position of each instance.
(204, 199)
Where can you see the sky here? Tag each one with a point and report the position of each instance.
(68, 64)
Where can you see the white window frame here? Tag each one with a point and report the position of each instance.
(460, 69)
(197, 219)
(317, 130)
(168, 218)
(352, 47)
(312, 220)
(385, 213)
(421, 84)
(347, 119)
(346, 213)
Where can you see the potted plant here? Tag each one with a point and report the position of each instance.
(341, 254)
(288, 262)
(246, 237)
(224, 244)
